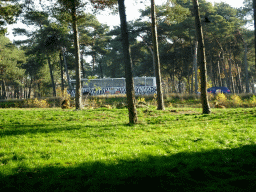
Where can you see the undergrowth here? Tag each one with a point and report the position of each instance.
(170, 100)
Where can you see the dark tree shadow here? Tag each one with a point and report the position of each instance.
(216, 170)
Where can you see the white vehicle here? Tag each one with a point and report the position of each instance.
(142, 86)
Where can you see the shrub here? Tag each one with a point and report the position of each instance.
(236, 100)
(141, 100)
(31, 103)
(170, 105)
(252, 101)
(210, 96)
(221, 98)
(154, 101)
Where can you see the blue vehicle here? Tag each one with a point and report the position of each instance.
(215, 90)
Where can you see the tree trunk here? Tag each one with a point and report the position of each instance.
(195, 66)
(233, 84)
(246, 68)
(211, 71)
(30, 88)
(66, 68)
(160, 100)
(101, 70)
(77, 59)
(219, 72)
(82, 64)
(229, 73)
(239, 83)
(254, 13)
(253, 88)
(201, 59)
(188, 84)
(61, 75)
(52, 78)
(39, 90)
(128, 65)
(93, 62)
(4, 96)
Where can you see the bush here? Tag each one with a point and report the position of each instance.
(35, 103)
(252, 101)
(9, 104)
(236, 100)
(221, 98)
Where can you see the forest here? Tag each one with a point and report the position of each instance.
(44, 63)
(168, 141)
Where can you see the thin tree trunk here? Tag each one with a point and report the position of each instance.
(253, 88)
(39, 90)
(128, 65)
(239, 79)
(246, 68)
(4, 96)
(254, 13)
(179, 85)
(66, 68)
(229, 74)
(30, 88)
(233, 84)
(201, 59)
(101, 70)
(93, 62)
(195, 66)
(192, 81)
(52, 78)
(211, 71)
(61, 75)
(188, 84)
(219, 73)
(77, 58)
(160, 100)
(82, 64)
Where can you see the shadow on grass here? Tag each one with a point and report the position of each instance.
(24, 129)
(216, 170)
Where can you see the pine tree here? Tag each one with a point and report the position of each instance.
(160, 100)
(201, 59)
(128, 65)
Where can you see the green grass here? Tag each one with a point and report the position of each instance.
(96, 150)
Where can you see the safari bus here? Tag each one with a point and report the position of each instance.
(103, 86)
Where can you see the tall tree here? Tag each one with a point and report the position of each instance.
(254, 17)
(160, 100)
(77, 56)
(11, 73)
(72, 7)
(128, 65)
(201, 59)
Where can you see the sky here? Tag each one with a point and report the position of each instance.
(132, 12)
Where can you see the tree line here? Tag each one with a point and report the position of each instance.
(66, 34)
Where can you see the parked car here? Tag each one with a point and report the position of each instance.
(215, 90)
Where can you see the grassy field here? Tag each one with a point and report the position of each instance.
(96, 150)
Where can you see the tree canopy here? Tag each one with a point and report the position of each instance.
(101, 55)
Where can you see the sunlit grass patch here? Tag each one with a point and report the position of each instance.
(98, 146)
